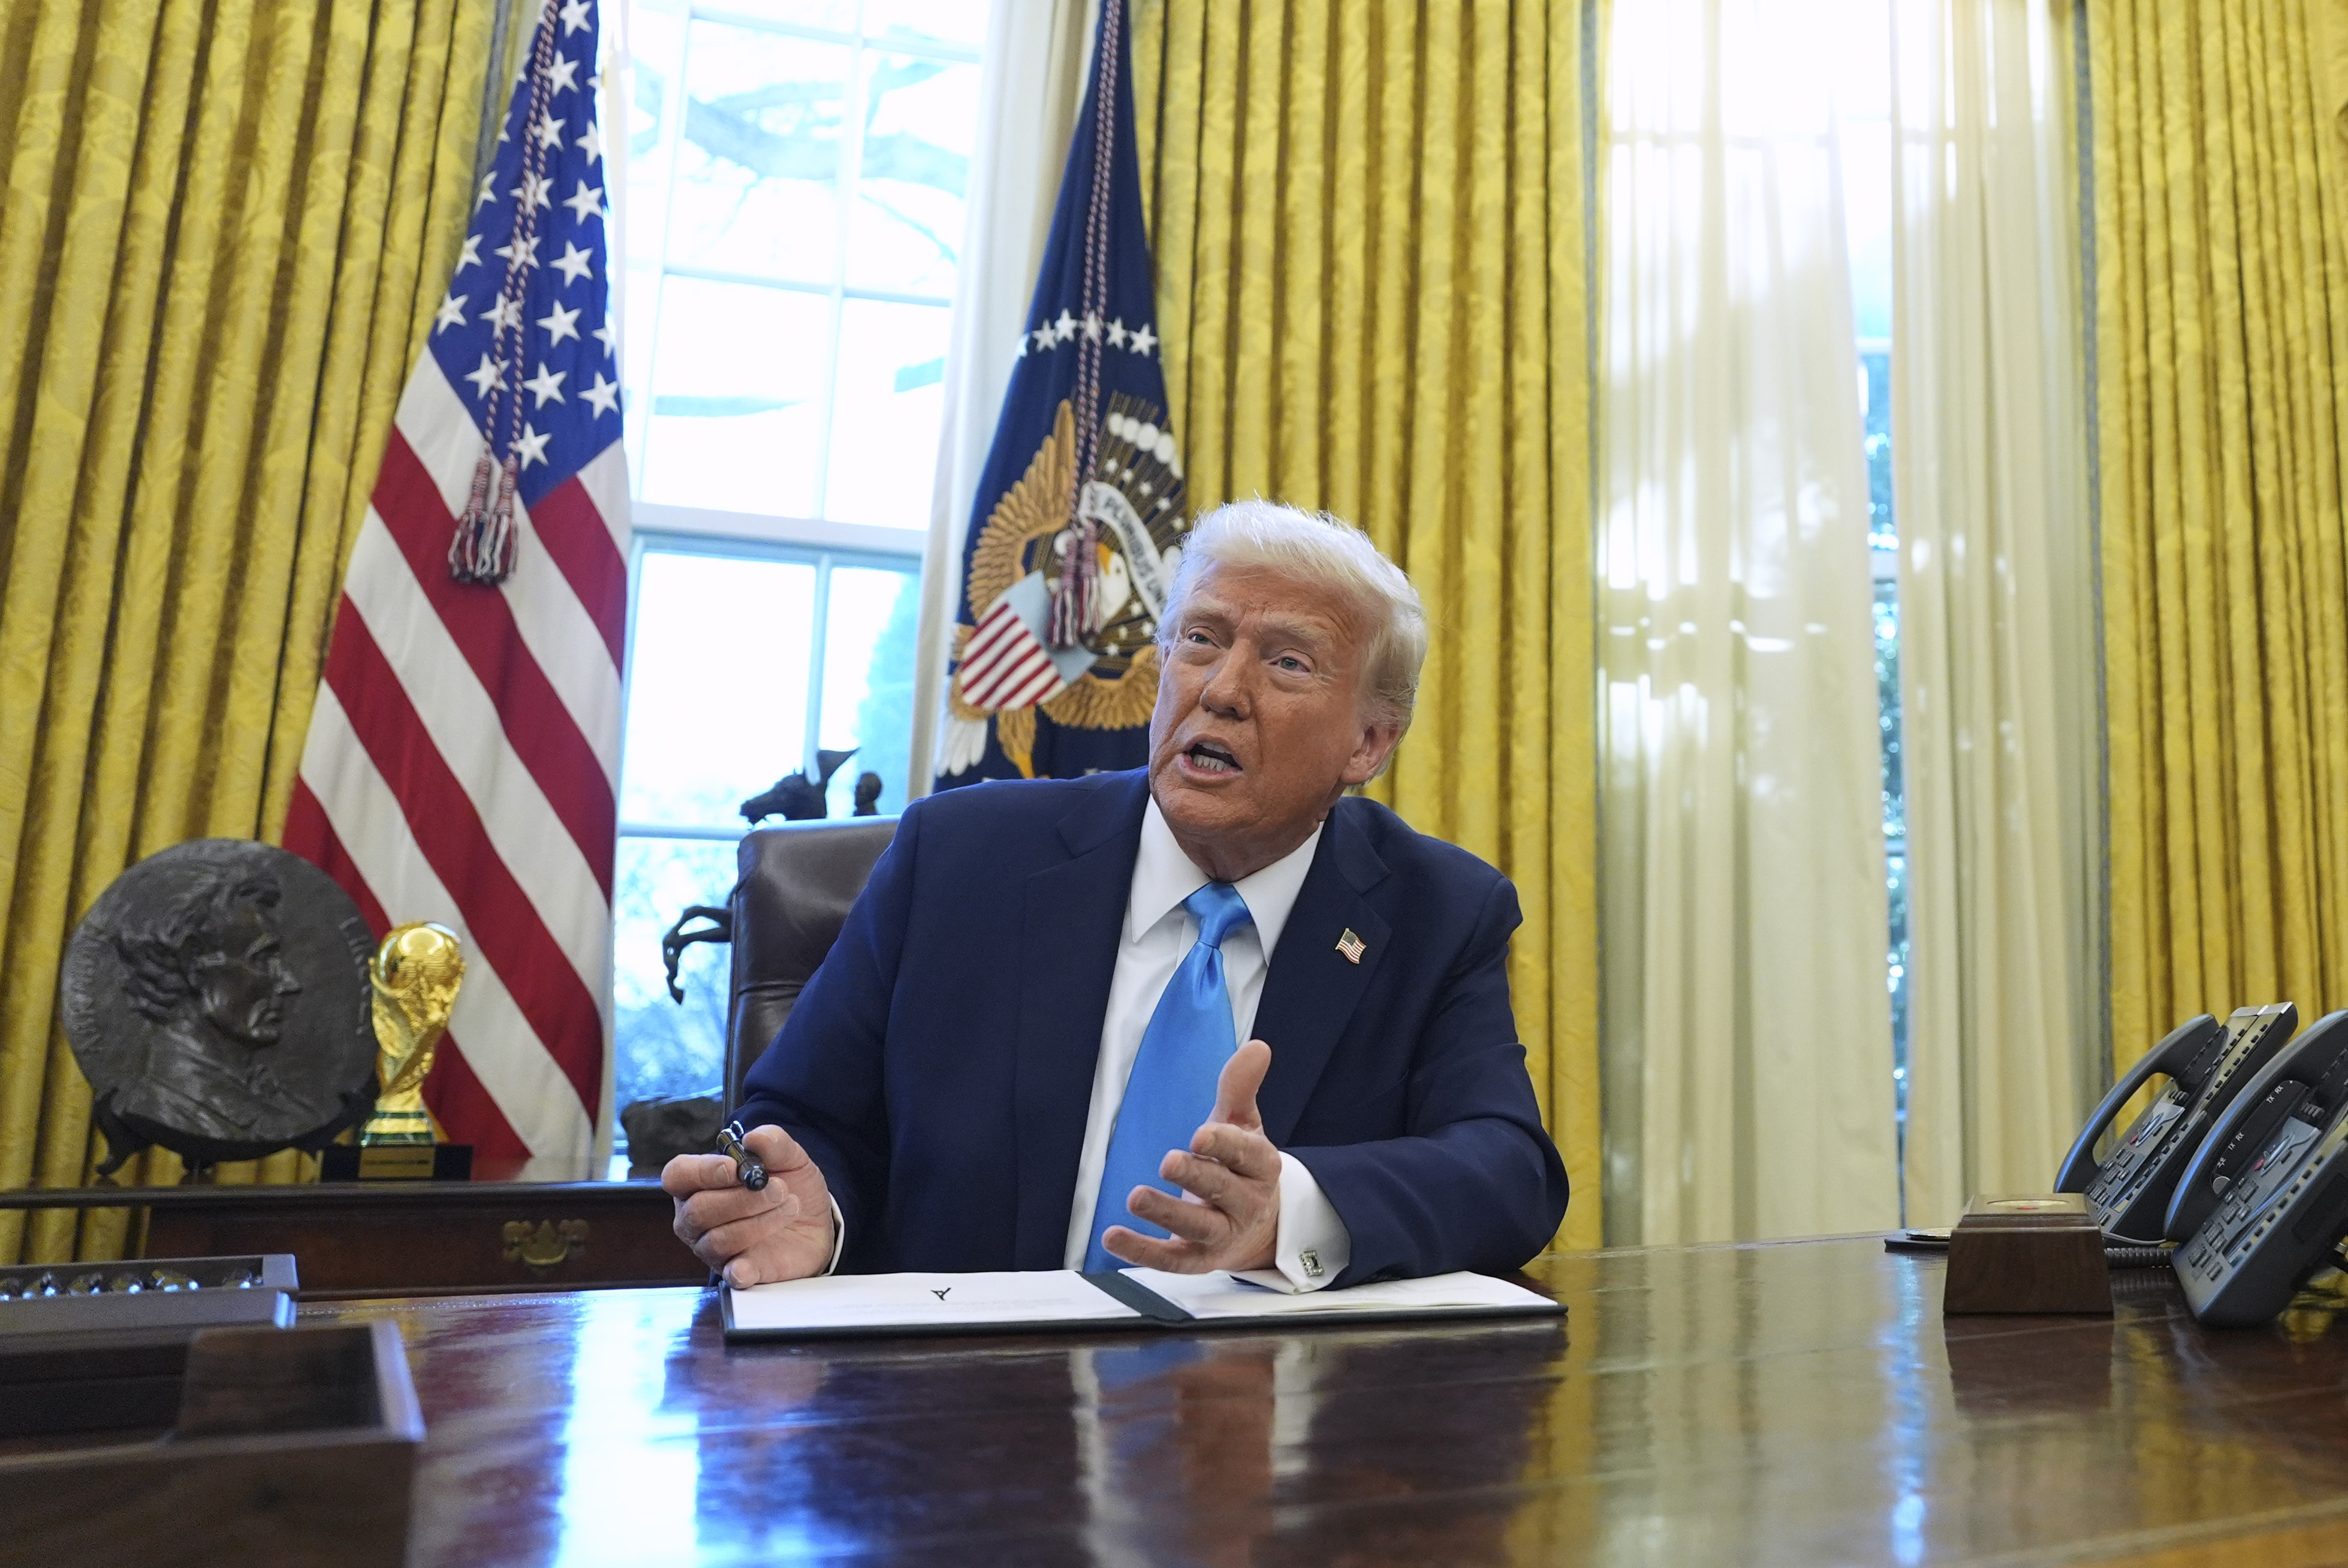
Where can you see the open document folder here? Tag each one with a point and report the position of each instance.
(843, 1305)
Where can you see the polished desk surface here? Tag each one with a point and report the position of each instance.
(1798, 1403)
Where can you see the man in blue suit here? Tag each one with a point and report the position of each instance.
(1020, 1054)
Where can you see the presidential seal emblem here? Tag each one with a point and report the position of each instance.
(217, 997)
(1015, 658)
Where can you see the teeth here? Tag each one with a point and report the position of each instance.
(1213, 761)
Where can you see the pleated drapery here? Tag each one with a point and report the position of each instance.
(223, 227)
(1997, 656)
(2221, 347)
(1368, 226)
(1748, 1032)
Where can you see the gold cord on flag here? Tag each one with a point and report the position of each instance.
(483, 549)
(1077, 600)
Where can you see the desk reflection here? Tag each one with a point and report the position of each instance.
(1213, 1449)
(1756, 1406)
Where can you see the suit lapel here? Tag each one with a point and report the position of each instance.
(1071, 916)
(1312, 988)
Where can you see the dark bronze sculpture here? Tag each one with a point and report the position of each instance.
(868, 795)
(216, 997)
(795, 797)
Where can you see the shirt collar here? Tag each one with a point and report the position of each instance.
(1163, 876)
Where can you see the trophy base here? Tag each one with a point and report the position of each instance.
(397, 1163)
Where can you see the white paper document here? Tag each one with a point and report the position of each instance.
(917, 1301)
(944, 1302)
(1208, 1297)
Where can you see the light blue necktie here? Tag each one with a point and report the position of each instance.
(1172, 1087)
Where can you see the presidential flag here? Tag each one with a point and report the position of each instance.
(1076, 527)
(462, 760)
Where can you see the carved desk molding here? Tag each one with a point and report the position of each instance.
(414, 1238)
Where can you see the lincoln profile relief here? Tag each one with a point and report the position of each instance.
(209, 971)
(216, 997)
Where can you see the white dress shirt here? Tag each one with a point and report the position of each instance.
(1313, 1245)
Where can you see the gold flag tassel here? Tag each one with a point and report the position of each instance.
(483, 549)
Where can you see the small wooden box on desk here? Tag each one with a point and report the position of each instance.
(416, 1238)
(2033, 1252)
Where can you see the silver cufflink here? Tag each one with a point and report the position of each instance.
(1312, 1262)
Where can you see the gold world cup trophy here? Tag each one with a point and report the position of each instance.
(414, 974)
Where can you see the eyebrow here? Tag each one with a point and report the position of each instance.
(1276, 627)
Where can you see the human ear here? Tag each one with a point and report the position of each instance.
(1378, 744)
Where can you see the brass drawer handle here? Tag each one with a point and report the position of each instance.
(546, 1244)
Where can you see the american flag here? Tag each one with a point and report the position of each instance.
(462, 763)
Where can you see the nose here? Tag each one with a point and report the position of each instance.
(286, 984)
(1225, 693)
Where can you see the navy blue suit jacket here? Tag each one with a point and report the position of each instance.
(939, 1066)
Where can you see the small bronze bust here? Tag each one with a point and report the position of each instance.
(216, 997)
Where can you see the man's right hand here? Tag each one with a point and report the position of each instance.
(781, 1231)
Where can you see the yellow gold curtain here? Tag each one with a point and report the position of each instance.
(2221, 337)
(222, 228)
(1368, 226)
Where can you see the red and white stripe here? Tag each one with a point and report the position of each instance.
(463, 766)
(1007, 666)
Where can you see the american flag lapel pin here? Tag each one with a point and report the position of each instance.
(1352, 947)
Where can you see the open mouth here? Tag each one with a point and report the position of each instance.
(1206, 757)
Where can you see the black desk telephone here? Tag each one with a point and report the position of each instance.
(2264, 1202)
(2242, 1160)
(2206, 1065)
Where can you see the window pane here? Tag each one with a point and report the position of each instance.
(661, 1047)
(921, 122)
(1867, 200)
(868, 680)
(835, 15)
(738, 388)
(887, 405)
(717, 685)
(757, 182)
(655, 44)
(944, 21)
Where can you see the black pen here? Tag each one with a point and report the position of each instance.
(745, 1164)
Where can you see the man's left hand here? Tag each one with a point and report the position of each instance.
(1232, 1219)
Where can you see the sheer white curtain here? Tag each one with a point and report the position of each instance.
(1999, 720)
(1748, 1028)
(1031, 80)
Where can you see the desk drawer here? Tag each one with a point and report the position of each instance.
(418, 1241)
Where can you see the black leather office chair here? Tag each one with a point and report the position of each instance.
(796, 885)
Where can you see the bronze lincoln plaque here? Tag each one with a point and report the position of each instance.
(216, 997)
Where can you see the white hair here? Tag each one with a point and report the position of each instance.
(1326, 553)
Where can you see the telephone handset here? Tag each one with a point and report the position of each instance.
(2266, 1199)
(2206, 1065)
(2306, 1078)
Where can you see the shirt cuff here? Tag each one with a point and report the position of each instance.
(840, 1234)
(1312, 1246)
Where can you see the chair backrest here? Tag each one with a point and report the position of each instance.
(793, 895)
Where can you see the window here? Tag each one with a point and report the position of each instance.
(741, 667)
(795, 190)
(1867, 149)
(792, 208)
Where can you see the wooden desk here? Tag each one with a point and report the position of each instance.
(401, 1238)
(1800, 1403)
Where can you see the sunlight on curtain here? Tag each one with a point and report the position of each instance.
(1747, 1027)
(223, 227)
(1997, 656)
